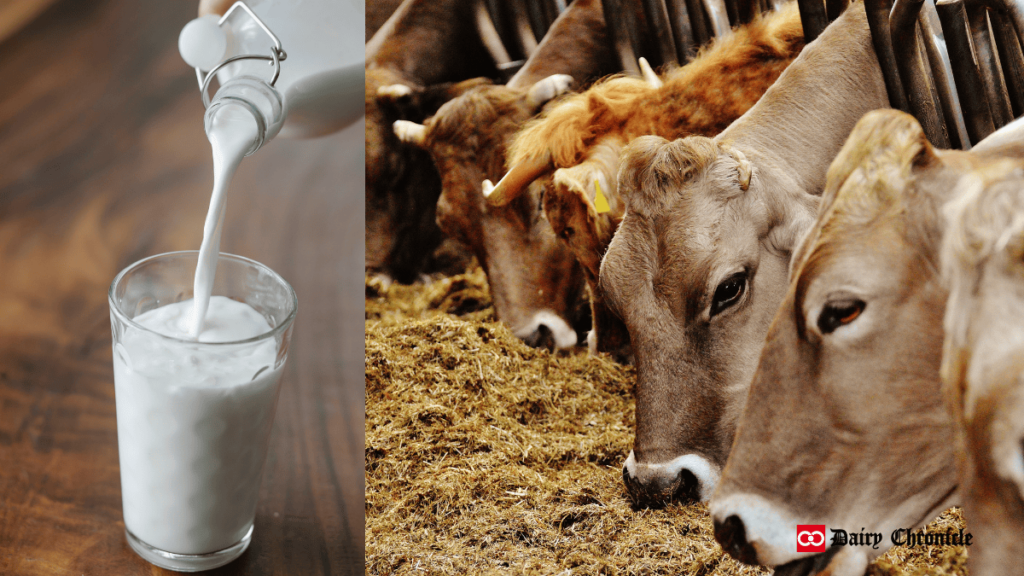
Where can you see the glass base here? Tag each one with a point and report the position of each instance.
(188, 562)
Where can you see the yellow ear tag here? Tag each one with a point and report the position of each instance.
(600, 202)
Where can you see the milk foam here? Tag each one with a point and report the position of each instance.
(231, 135)
(193, 424)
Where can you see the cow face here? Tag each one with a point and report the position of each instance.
(844, 424)
(696, 271)
(402, 185)
(587, 224)
(535, 282)
(983, 365)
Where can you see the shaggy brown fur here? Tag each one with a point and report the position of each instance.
(703, 97)
(425, 43)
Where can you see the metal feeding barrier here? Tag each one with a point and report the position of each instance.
(955, 65)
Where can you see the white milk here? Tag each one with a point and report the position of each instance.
(231, 135)
(193, 423)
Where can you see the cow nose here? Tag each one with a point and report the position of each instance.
(547, 330)
(542, 337)
(657, 490)
(685, 479)
(732, 535)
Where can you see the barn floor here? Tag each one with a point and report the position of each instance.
(485, 456)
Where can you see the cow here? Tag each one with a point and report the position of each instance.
(535, 283)
(844, 424)
(982, 260)
(580, 141)
(421, 57)
(698, 266)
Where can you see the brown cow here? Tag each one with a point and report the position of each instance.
(534, 280)
(844, 424)
(424, 43)
(583, 138)
(698, 265)
(983, 360)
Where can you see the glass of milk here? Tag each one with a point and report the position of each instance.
(194, 415)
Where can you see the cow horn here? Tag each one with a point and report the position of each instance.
(517, 179)
(410, 132)
(547, 89)
(649, 75)
(743, 167)
(394, 91)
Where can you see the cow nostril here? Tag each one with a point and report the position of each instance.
(732, 535)
(687, 490)
(542, 337)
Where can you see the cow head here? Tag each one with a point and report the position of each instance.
(534, 280)
(696, 271)
(983, 362)
(402, 185)
(844, 424)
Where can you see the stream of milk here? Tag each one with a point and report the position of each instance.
(231, 135)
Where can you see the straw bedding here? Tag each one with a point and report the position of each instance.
(485, 456)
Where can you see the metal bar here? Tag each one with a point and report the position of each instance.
(536, 16)
(718, 16)
(732, 11)
(614, 19)
(914, 74)
(943, 88)
(988, 64)
(748, 10)
(658, 24)
(833, 8)
(682, 31)
(698, 21)
(966, 71)
(813, 17)
(1011, 59)
(878, 22)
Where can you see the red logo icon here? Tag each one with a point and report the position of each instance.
(810, 538)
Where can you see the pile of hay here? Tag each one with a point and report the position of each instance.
(486, 456)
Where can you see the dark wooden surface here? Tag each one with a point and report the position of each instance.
(103, 161)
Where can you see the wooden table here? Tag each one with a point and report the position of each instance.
(103, 161)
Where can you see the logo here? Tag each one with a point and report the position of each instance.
(810, 538)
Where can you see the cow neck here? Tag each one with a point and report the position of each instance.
(432, 41)
(576, 45)
(802, 121)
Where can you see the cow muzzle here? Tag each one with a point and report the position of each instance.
(547, 330)
(687, 478)
(755, 531)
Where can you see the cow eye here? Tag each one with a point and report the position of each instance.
(729, 292)
(836, 314)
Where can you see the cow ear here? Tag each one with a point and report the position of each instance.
(548, 89)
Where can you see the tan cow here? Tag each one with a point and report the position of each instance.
(844, 424)
(535, 282)
(698, 266)
(983, 361)
(581, 141)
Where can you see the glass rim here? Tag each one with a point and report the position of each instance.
(280, 327)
